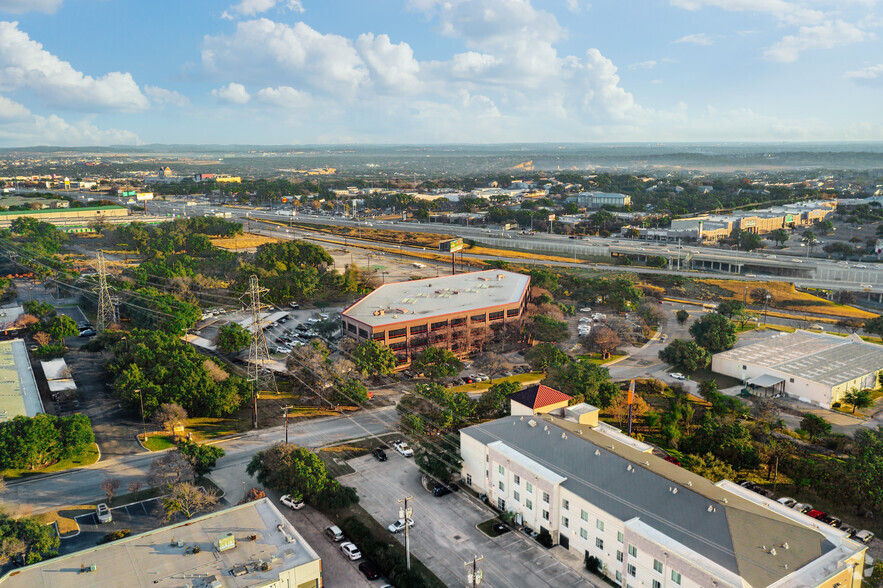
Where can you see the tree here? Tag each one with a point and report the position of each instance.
(844, 250)
(372, 358)
(875, 326)
(232, 338)
(809, 237)
(815, 426)
(547, 330)
(544, 356)
(436, 363)
(202, 458)
(682, 316)
(602, 339)
(688, 356)
(585, 381)
(290, 469)
(349, 392)
(62, 327)
(652, 313)
(825, 226)
(760, 295)
(169, 469)
(858, 398)
(439, 459)
(779, 236)
(620, 408)
(27, 537)
(851, 325)
(747, 241)
(110, 487)
(490, 362)
(710, 467)
(730, 308)
(187, 499)
(714, 332)
(495, 402)
(169, 415)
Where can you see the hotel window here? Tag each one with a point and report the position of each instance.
(546, 497)
(529, 487)
(619, 556)
(599, 524)
(599, 543)
(501, 469)
(632, 570)
(676, 577)
(633, 551)
(657, 584)
(516, 496)
(502, 487)
(565, 522)
(469, 479)
(565, 505)
(657, 565)
(398, 346)
(584, 515)
(458, 322)
(516, 479)
(501, 504)
(545, 515)
(441, 325)
(619, 536)
(584, 534)
(529, 504)
(618, 577)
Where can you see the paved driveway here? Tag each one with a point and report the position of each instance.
(445, 534)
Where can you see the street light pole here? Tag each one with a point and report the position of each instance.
(143, 425)
(285, 410)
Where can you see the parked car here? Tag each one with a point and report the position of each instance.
(444, 489)
(378, 454)
(103, 514)
(403, 448)
(399, 525)
(816, 514)
(350, 551)
(294, 305)
(290, 502)
(864, 536)
(369, 570)
(832, 521)
(670, 459)
(678, 376)
(849, 531)
(282, 350)
(88, 333)
(585, 309)
(789, 502)
(802, 507)
(334, 533)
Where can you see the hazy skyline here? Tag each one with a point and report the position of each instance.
(97, 72)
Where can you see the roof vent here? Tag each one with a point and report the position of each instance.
(646, 463)
(564, 435)
(548, 432)
(532, 423)
(610, 447)
(772, 551)
(673, 489)
(546, 428)
(597, 452)
(689, 484)
(501, 276)
(723, 500)
(630, 468)
(785, 546)
(579, 432)
(522, 419)
(711, 508)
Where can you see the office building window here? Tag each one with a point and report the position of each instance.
(619, 556)
(565, 504)
(599, 524)
(633, 571)
(583, 533)
(516, 479)
(516, 496)
(633, 551)
(546, 497)
(676, 577)
(619, 536)
(599, 543)
(584, 515)
(545, 515)
(657, 566)
(565, 522)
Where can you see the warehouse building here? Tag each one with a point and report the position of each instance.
(460, 312)
(19, 395)
(650, 523)
(815, 368)
(248, 545)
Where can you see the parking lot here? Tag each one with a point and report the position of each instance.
(444, 535)
(138, 517)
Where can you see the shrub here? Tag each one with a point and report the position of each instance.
(114, 536)
(545, 539)
(51, 351)
(593, 564)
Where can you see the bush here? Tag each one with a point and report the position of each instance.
(114, 536)
(336, 496)
(545, 539)
(51, 351)
(835, 405)
(593, 564)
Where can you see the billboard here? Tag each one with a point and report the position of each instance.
(451, 245)
(551, 217)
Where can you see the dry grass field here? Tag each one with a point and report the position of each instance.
(785, 297)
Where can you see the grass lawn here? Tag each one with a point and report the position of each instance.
(158, 442)
(246, 241)
(596, 358)
(206, 429)
(524, 379)
(487, 527)
(88, 457)
(65, 517)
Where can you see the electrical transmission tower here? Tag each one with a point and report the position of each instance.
(107, 314)
(258, 355)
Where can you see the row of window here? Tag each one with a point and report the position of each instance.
(420, 329)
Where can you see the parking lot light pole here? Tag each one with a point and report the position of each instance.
(285, 410)
(143, 424)
(405, 513)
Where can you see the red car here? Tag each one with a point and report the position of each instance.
(670, 459)
(816, 514)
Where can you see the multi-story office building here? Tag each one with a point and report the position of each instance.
(460, 312)
(650, 523)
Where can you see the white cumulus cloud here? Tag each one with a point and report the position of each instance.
(696, 39)
(20, 127)
(788, 12)
(871, 72)
(233, 93)
(25, 64)
(649, 64)
(20, 6)
(163, 96)
(825, 36)
(253, 7)
(392, 64)
(284, 96)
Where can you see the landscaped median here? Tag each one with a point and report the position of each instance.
(523, 379)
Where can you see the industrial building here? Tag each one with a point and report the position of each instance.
(19, 395)
(248, 545)
(62, 216)
(815, 368)
(599, 199)
(459, 312)
(650, 523)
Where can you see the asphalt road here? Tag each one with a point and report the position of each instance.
(81, 486)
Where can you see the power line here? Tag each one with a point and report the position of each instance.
(106, 309)
(258, 355)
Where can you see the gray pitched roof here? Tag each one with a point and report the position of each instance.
(731, 535)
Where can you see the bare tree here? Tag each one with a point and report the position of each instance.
(135, 486)
(42, 338)
(492, 363)
(187, 499)
(168, 415)
(170, 469)
(11, 547)
(110, 487)
(602, 339)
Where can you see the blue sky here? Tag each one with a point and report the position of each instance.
(98, 72)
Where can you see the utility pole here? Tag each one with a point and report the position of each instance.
(106, 310)
(474, 576)
(405, 513)
(258, 355)
(143, 424)
(285, 410)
